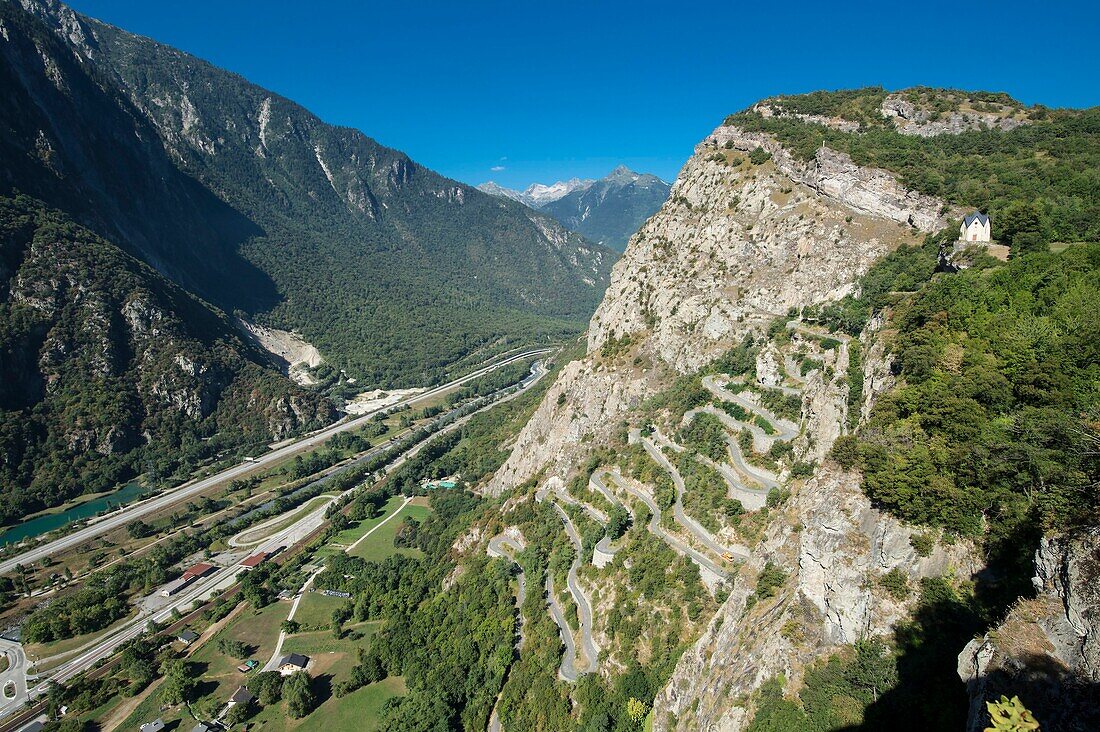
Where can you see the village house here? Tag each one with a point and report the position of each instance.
(292, 663)
(975, 228)
(241, 696)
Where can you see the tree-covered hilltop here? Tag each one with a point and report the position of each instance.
(1039, 180)
(108, 370)
(246, 199)
(991, 430)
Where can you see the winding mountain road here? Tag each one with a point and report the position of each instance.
(784, 429)
(706, 538)
(680, 547)
(584, 608)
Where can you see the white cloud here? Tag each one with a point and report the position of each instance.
(497, 168)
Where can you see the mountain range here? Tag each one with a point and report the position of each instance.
(251, 202)
(150, 202)
(607, 211)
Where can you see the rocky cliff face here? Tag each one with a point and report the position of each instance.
(1047, 650)
(838, 548)
(912, 118)
(738, 244)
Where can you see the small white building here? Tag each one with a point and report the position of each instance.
(155, 726)
(975, 228)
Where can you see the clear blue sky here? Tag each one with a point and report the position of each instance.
(543, 91)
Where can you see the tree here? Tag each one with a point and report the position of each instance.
(636, 709)
(268, 687)
(239, 713)
(233, 647)
(179, 682)
(1024, 226)
(299, 695)
(1010, 715)
(618, 522)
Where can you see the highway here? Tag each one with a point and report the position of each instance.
(226, 576)
(202, 589)
(135, 511)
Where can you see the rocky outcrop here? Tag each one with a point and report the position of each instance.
(834, 176)
(911, 119)
(837, 548)
(1047, 651)
(736, 246)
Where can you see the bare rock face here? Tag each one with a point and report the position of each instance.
(833, 176)
(910, 119)
(840, 547)
(1047, 651)
(736, 246)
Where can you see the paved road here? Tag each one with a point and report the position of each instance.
(680, 547)
(15, 673)
(507, 547)
(226, 577)
(504, 546)
(273, 662)
(794, 372)
(255, 534)
(798, 327)
(753, 499)
(598, 482)
(584, 608)
(137, 510)
(706, 538)
(592, 511)
(784, 429)
(567, 671)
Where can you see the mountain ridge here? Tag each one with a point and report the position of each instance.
(260, 206)
(606, 210)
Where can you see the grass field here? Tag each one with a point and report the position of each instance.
(349, 536)
(379, 545)
(315, 610)
(218, 673)
(359, 711)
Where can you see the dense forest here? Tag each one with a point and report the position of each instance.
(109, 370)
(989, 435)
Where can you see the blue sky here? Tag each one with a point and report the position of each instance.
(521, 92)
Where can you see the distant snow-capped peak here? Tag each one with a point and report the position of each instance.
(540, 195)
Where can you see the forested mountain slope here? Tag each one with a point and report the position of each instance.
(253, 203)
(107, 369)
